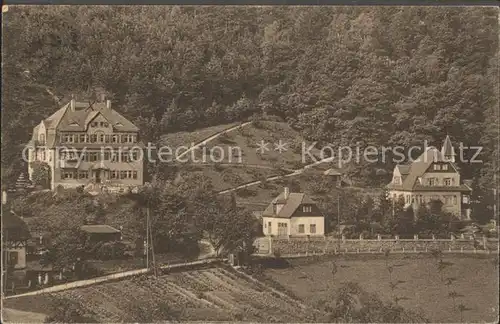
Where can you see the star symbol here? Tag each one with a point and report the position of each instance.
(280, 147)
(262, 147)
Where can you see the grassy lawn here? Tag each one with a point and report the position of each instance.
(421, 287)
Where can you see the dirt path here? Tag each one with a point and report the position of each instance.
(205, 141)
(294, 173)
(10, 315)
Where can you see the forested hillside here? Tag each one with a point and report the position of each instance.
(341, 75)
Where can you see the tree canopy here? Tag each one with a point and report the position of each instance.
(341, 75)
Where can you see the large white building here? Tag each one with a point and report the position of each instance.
(86, 144)
(433, 176)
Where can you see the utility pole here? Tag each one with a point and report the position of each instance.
(147, 239)
(338, 220)
(152, 245)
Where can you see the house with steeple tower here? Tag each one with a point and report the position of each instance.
(434, 175)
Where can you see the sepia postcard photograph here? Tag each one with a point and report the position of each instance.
(250, 164)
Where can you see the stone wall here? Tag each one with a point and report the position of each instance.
(293, 246)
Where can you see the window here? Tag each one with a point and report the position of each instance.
(448, 200)
(68, 175)
(67, 138)
(94, 124)
(105, 124)
(124, 138)
(114, 156)
(83, 175)
(42, 138)
(447, 181)
(93, 138)
(445, 167)
(114, 139)
(134, 174)
(94, 156)
(454, 200)
(123, 174)
(396, 180)
(465, 199)
(101, 138)
(113, 174)
(107, 139)
(125, 157)
(13, 257)
(312, 228)
(269, 231)
(307, 209)
(301, 228)
(431, 181)
(437, 167)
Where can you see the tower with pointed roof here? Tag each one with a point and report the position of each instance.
(88, 143)
(447, 150)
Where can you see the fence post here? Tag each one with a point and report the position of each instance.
(379, 237)
(485, 242)
(433, 237)
(396, 237)
(361, 237)
(343, 238)
(462, 249)
(415, 237)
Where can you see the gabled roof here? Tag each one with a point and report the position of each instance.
(404, 169)
(66, 119)
(291, 204)
(418, 168)
(99, 229)
(13, 227)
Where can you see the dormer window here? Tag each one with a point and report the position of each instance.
(445, 167)
(437, 167)
(396, 180)
(307, 209)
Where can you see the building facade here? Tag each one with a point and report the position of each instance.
(87, 144)
(293, 214)
(433, 176)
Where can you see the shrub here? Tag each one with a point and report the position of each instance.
(245, 192)
(41, 174)
(111, 251)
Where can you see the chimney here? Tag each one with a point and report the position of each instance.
(287, 192)
(73, 104)
(108, 104)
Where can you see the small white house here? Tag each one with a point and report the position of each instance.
(294, 214)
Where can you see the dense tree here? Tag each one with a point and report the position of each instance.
(354, 76)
